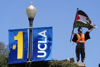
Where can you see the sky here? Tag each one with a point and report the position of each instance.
(59, 14)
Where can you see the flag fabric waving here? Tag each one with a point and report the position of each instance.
(82, 20)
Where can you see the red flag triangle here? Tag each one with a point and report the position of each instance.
(77, 17)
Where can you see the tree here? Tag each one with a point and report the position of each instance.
(3, 49)
(3, 55)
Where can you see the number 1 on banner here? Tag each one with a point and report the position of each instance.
(19, 37)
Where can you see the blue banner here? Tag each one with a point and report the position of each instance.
(42, 44)
(18, 46)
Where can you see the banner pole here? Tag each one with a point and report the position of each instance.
(73, 25)
(30, 42)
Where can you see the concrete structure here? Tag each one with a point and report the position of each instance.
(80, 64)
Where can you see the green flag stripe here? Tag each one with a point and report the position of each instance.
(81, 24)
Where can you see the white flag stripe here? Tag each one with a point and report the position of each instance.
(82, 19)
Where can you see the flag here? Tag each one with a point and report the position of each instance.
(18, 46)
(42, 44)
(82, 20)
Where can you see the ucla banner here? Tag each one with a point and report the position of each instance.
(18, 46)
(42, 44)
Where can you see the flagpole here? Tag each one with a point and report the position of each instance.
(73, 25)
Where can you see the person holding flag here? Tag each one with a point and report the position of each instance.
(80, 39)
(81, 20)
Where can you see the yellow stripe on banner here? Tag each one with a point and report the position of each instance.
(19, 37)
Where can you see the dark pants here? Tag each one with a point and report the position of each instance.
(80, 49)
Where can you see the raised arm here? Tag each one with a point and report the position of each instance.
(91, 29)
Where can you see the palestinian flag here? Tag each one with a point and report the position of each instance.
(82, 20)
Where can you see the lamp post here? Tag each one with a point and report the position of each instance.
(31, 11)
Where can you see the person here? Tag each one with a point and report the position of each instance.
(99, 64)
(80, 39)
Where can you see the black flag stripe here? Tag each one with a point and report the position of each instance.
(80, 12)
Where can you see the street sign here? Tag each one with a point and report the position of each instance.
(18, 46)
(42, 44)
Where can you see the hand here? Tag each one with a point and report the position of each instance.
(73, 33)
(94, 27)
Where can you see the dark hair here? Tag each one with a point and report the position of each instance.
(79, 28)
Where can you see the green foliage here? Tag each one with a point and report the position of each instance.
(3, 49)
(3, 55)
(3, 61)
(55, 63)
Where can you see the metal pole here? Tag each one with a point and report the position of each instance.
(30, 42)
(73, 25)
